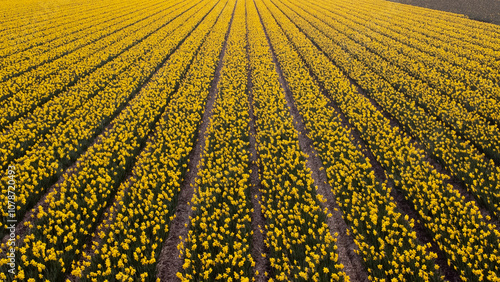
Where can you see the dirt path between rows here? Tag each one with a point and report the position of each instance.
(262, 264)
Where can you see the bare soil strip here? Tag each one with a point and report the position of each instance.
(107, 215)
(353, 265)
(170, 260)
(480, 10)
(149, 139)
(262, 264)
(346, 246)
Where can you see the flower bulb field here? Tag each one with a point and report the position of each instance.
(247, 140)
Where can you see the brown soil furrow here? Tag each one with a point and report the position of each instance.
(107, 215)
(170, 260)
(262, 264)
(258, 220)
(353, 265)
(346, 246)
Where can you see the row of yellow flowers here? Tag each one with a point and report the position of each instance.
(300, 243)
(48, 81)
(453, 112)
(385, 238)
(458, 155)
(218, 246)
(46, 160)
(131, 237)
(100, 25)
(457, 227)
(18, 137)
(72, 209)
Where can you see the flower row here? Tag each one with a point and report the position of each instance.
(463, 86)
(18, 137)
(103, 25)
(50, 80)
(76, 203)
